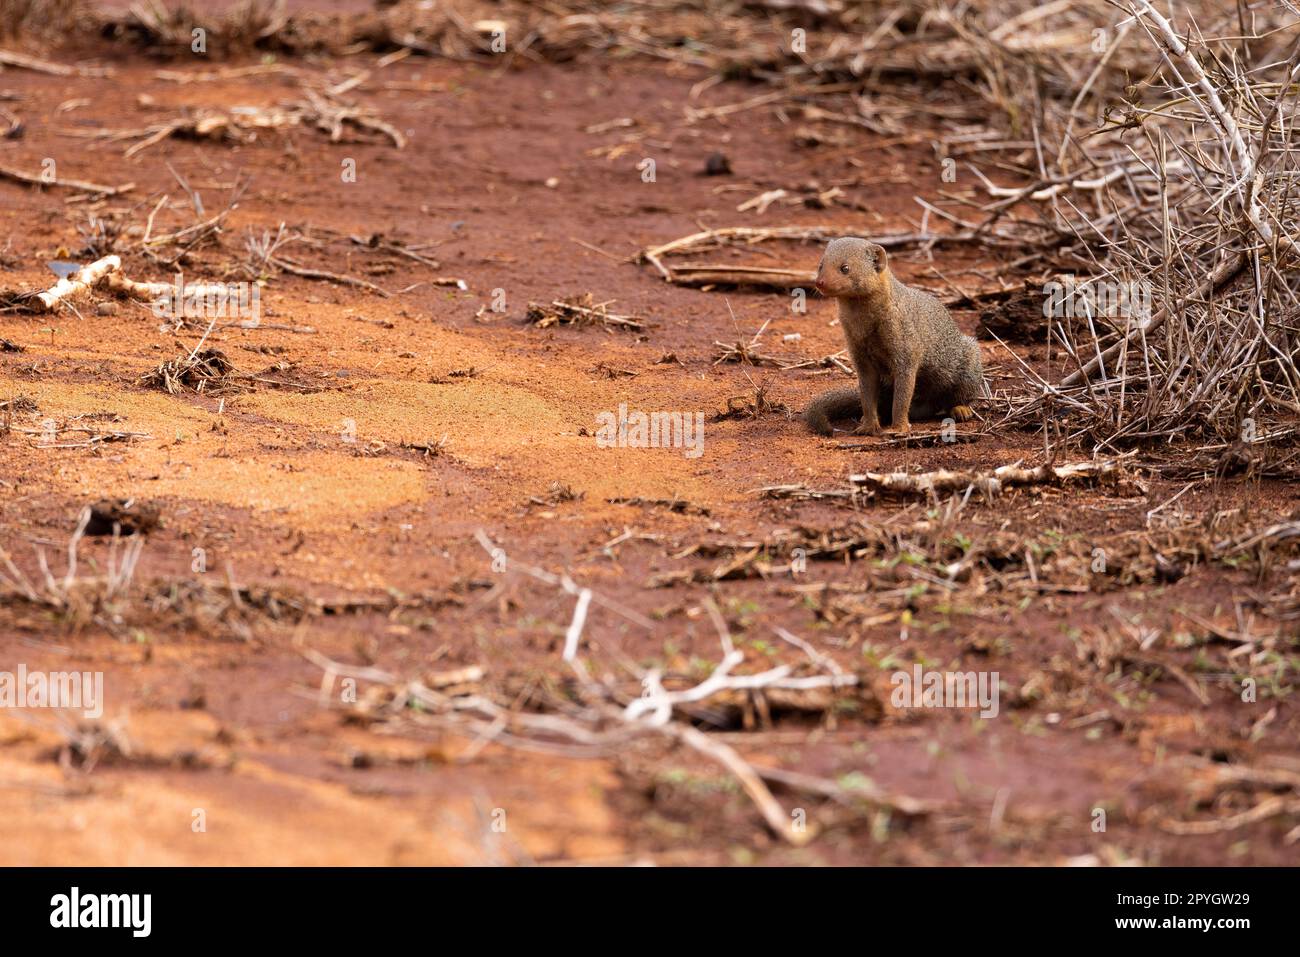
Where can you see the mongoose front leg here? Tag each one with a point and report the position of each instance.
(904, 386)
(868, 389)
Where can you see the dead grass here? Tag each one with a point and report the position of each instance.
(76, 599)
(245, 25)
(203, 371)
(42, 20)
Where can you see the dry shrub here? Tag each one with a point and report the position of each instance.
(41, 19)
(244, 26)
(202, 371)
(1164, 166)
(456, 30)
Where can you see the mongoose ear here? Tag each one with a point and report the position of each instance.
(882, 257)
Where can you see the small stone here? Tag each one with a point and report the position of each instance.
(717, 165)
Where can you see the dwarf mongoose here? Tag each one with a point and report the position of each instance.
(911, 360)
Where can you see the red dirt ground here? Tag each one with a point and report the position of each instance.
(501, 174)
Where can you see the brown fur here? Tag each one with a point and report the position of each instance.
(910, 357)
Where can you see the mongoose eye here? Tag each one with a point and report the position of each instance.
(845, 269)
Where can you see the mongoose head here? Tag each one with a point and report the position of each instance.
(853, 268)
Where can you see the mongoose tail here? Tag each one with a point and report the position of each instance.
(836, 404)
(847, 404)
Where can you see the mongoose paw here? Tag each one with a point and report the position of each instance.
(867, 428)
(902, 428)
(963, 413)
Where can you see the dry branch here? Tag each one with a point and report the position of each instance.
(105, 274)
(80, 282)
(697, 274)
(115, 282)
(605, 723)
(289, 266)
(760, 276)
(713, 238)
(241, 124)
(37, 65)
(31, 179)
(991, 483)
(580, 310)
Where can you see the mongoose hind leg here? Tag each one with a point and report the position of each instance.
(936, 403)
(926, 408)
